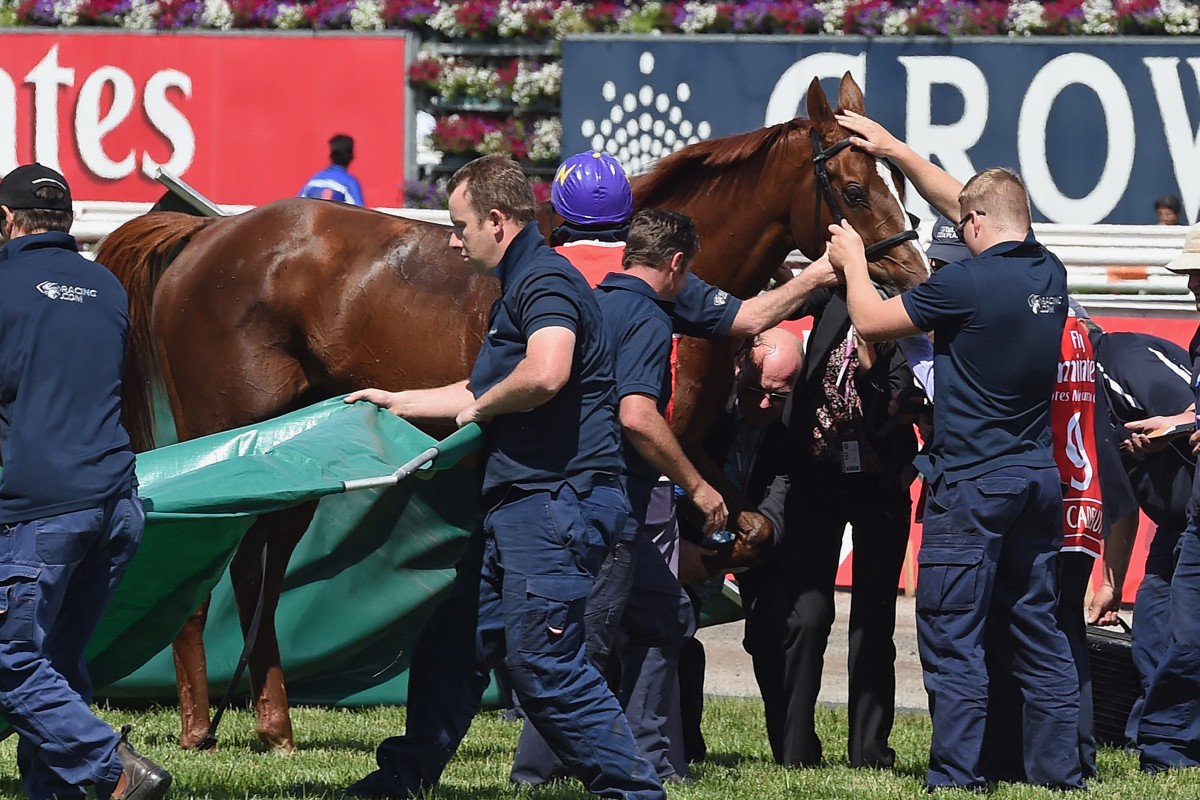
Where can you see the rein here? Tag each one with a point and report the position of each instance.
(825, 192)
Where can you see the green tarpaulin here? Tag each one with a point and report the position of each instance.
(359, 585)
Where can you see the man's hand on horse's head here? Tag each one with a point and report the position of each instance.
(846, 248)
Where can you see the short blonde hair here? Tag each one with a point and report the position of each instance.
(1000, 194)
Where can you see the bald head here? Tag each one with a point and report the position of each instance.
(777, 354)
(767, 375)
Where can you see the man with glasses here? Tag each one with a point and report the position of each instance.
(993, 523)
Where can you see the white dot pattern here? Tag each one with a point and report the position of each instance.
(644, 126)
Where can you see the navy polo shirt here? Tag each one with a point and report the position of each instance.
(1145, 376)
(997, 320)
(638, 324)
(575, 436)
(704, 311)
(1193, 508)
(63, 324)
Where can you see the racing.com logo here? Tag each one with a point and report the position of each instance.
(60, 291)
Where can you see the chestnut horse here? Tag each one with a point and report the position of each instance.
(265, 312)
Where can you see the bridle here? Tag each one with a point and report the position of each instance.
(825, 190)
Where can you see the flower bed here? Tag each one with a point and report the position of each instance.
(549, 20)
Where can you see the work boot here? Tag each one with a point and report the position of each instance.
(144, 780)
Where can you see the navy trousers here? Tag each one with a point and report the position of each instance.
(988, 559)
(58, 574)
(1003, 756)
(521, 591)
(637, 601)
(1169, 731)
(1152, 615)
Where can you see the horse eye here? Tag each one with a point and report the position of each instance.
(854, 195)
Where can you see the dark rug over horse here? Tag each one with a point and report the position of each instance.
(238, 319)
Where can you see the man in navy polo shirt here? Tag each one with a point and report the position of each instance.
(68, 501)
(1146, 383)
(1168, 733)
(993, 521)
(553, 507)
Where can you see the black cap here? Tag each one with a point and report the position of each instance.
(18, 187)
(946, 245)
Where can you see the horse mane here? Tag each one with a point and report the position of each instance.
(673, 171)
(137, 253)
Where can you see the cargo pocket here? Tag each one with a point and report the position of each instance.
(948, 572)
(18, 602)
(552, 617)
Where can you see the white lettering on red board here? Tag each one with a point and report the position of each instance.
(92, 121)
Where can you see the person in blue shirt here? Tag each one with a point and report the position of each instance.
(68, 496)
(544, 387)
(1168, 732)
(993, 522)
(1146, 382)
(335, 181)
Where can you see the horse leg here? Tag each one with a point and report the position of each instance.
(191, 678)
(282, 530)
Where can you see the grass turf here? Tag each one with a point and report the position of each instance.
(336, 747)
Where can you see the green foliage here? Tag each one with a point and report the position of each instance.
(336, 747)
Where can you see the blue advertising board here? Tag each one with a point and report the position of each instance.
(1097, 127)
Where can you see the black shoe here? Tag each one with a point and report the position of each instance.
(144, 780)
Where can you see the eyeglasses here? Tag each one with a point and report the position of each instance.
(774, 397)
(962, 223)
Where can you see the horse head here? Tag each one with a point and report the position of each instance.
(852, 184)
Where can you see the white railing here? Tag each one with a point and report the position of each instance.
(1110, 265)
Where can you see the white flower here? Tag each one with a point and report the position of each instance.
(217, 14)
(512, 16)
(67, 12)
(546, 142)
(1099, 17)
(288, 16)
(1179, 17)
(833, 12)
(492, 144)
(444, 21)
(460, 80)
(567, 18)
(895, 23)
(699, 17)
(141, 16)
(367, 15)
(536, 82)
(1025, 18)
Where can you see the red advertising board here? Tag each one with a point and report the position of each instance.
(244, 118)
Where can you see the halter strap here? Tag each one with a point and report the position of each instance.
(825, 192)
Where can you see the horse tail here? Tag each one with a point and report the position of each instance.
(137, 253)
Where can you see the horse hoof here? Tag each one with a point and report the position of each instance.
(191, 741)
(280, 746)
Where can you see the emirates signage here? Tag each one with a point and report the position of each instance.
(243, 118)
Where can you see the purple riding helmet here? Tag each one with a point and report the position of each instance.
(591, 188)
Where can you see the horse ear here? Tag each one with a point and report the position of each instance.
(850, 97)
(819, 112)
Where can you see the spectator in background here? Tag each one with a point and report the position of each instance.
(1168, 208)
(335, 181)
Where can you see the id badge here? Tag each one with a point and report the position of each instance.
(850, 458)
